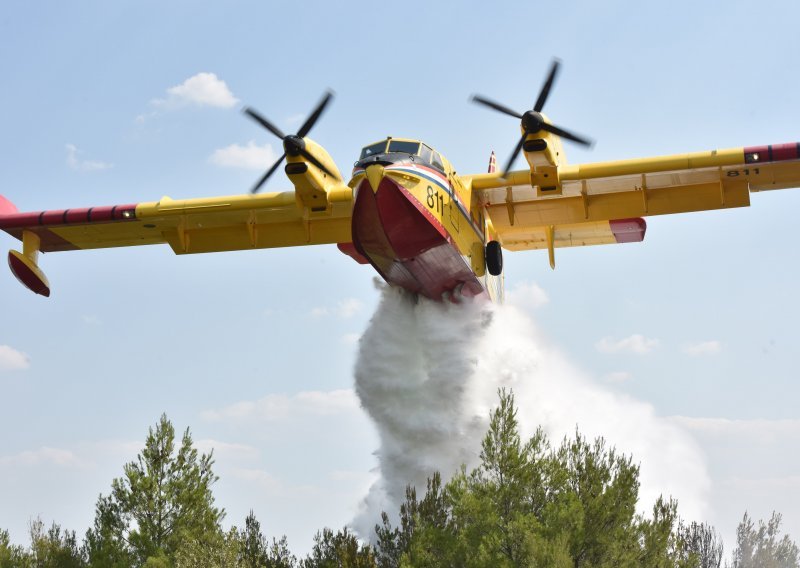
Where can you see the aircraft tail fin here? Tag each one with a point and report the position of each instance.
(6, 207)
(492, 163)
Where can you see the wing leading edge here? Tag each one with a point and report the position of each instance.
(602, 203)
(188, 226)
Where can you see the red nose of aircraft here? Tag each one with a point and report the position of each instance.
(404, 242)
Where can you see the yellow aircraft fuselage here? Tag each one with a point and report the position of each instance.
(418, 223)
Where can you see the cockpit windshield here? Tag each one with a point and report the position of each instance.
(372, 149)
(389, 146)
(404, 147)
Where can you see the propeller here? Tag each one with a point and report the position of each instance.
(293, 144)
(532, 120)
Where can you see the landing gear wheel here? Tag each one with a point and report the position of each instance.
(494, 258)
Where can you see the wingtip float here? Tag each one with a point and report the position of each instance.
(408, 213)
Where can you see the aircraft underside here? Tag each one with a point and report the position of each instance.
(407, 245)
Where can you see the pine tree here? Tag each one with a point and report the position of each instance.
(163, 500)
(761, 547)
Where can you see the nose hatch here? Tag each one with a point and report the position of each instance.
(375, 174)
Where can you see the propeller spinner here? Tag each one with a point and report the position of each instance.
(532, 120)
(293, 144)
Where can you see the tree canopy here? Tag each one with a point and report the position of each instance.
(528, 503)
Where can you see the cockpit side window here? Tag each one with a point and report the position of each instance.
(377, 148)
(404, 147)
(425, 153)
(437, 161)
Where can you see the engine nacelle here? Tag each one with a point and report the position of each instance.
(313, 185)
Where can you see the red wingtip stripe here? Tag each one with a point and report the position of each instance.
(772, 153)
(68, 216)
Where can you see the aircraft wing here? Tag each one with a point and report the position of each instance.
(603, 203)
(187, 226)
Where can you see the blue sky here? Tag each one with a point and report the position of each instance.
(254, 350)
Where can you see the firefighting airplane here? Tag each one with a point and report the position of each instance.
(408, 213)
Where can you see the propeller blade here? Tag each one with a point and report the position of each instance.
(309, 123)
(308, 156)
(548, 84)
(514, 155)
(496, 106)
(252, 113)
(568, 135)
(269, 172)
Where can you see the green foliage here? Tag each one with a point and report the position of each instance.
(760, 547)
(527, 504)
(220, 552)
(256, 552)
(163, 500)
(698, 544)
(52, 548)
(246, 548)
(338, 550)
(12, 556)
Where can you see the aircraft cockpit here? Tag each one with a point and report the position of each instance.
(392, 151)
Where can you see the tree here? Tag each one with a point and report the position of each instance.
(12, 556)
(163, 500)
(529, 505)
(761, 548)
(338, 550)
(51, 548)
(699, 544)
(54, 548)
(246, 548)
(256, 552)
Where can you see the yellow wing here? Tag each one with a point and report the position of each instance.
(189, 226)
(192, 225)
(601, 203)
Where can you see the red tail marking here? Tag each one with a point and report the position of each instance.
(6, 207)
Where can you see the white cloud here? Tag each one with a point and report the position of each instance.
(91, 320)
(249, 157)
(346, 308)
(203, 89)
(527, 295)
(278, 406)
(636, 343)
(703, 348)
(13, 360)
(618, 377)
(75, 162)
(43, 456)
(350, 338)
(349, 307)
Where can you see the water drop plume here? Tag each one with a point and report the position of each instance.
(427, 373)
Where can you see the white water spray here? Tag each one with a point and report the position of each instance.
(428, 373)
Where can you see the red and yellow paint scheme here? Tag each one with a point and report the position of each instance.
(408, 213)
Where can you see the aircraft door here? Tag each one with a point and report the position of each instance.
(455, 214)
